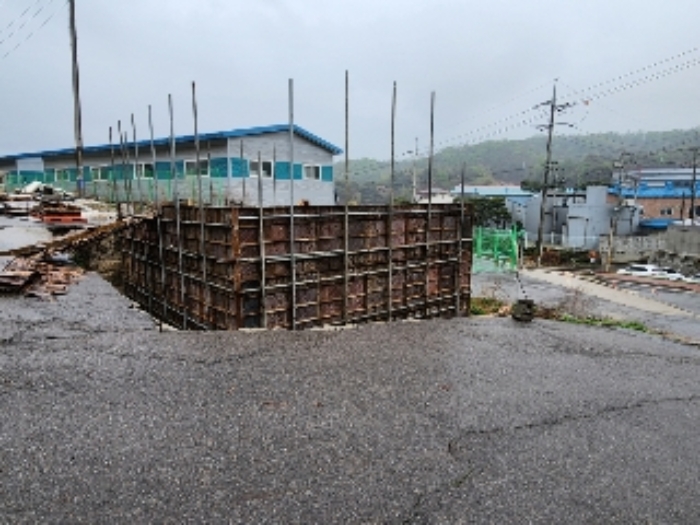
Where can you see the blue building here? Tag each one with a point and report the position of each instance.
(665, 194)
(233, 165)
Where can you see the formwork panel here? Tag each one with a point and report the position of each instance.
(240, 268)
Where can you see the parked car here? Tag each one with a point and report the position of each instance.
(641, 270)
(671, 274)
(695, 279)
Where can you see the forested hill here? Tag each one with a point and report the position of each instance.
(580, 160)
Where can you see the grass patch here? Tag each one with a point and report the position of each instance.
(486, 306)
(605, 322)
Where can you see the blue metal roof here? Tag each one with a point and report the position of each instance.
(656, 224)
(236, 133)
(652, 193)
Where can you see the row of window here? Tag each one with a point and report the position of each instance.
(145, 170)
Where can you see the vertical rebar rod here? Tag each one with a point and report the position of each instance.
(178, 233)
(123, 163)
(274, 175)
(204, 307)
(211, 179)
(346, 215)
(154, 160)
(129, 185)
(159, 222)
(430, 201)
(112, 175)
(261, 242)
(391, 205)
(136, 165)
(292, 240)
(460, 244)
(229, 170)
(245, 175)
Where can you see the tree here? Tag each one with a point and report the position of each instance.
(490, 211)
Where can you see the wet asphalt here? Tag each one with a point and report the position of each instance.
(104, 419)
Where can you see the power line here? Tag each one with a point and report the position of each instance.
(18, 18)
(31, 34)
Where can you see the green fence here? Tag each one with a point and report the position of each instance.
(495, 250)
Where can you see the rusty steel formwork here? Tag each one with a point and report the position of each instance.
(231, 268)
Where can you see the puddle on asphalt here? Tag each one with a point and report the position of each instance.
(17, 232)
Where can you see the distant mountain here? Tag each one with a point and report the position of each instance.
(579, 160)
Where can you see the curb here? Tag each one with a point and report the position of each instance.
(613, 284)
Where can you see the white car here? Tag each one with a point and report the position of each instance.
(695, 279)
(671, 275)
(642, 270)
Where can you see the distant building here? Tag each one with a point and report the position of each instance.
(664, 194)
(439, 196)
(228, 166)
(490, 191)
(574, 219)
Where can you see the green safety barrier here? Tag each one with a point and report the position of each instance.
(495, 250)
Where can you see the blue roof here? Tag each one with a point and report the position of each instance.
(651, 193)
(236, 133)
(656, 224)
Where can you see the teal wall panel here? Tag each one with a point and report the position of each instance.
(327, 173)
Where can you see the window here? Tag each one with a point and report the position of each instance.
(100, 173)
(145, 170)
(666, 211)
(266, 167)
(312, 172)
(62, 175)
(191, 167)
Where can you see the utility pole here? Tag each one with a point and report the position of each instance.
(553, 109)
(693, 191)
(76, 101)
(693, 188)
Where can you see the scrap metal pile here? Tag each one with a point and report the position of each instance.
(42, 276)
(46, 270)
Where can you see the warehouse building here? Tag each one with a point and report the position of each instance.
(233, 166)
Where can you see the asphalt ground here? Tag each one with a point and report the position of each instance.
(481, 420)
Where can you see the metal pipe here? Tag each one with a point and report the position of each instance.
(178, 233)
(159, 223)
(121, 153)
(202, 219)
(261, 242)
(77, 111)
(391, 203)
(346, 217)
(112, 174)
(229, 160)
(129, 194)
(244, 179)
(430, 201)
(460, 246)
(154, 160)
(136, 165)
(274, 175)
(211, 179)
(291, 206)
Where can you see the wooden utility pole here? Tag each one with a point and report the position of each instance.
(77, 116)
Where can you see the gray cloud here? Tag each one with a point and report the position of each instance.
(486, 61)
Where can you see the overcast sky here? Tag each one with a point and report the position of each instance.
(488, 61)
